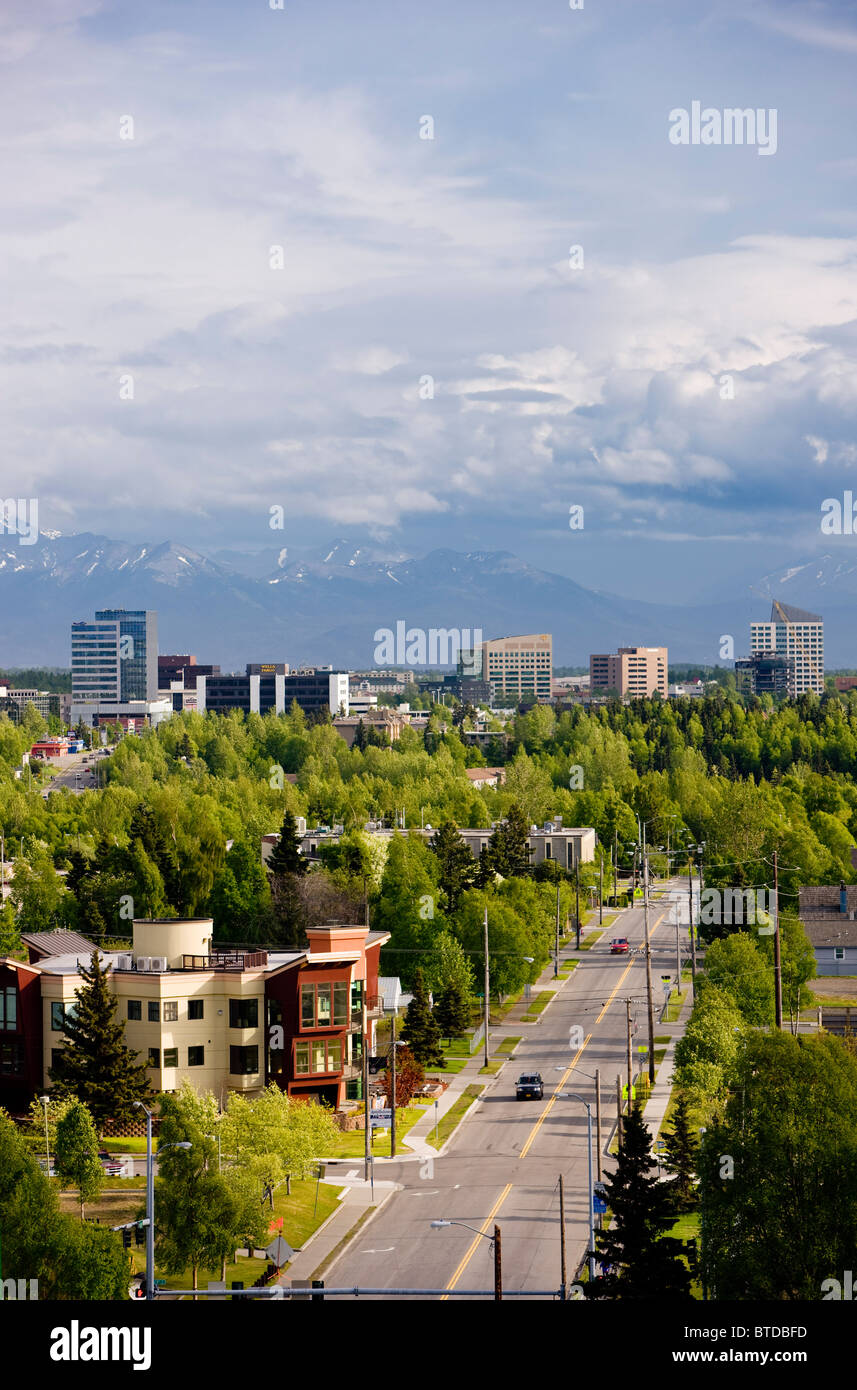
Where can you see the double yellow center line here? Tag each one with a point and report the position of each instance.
(471, 1250)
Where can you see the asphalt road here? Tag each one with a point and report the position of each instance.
(73, 774)
(504, 1162)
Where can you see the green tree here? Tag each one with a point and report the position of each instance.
(77, 1161)
(293, 1132)
(95, 1066)
(453, 1009)
(456, 865)
(680, 1156)
(420, 1029)
(737, 966)
(448, 965)
(642, 1262)
(708, 1048)
(508, 850)
(779, 1172)
(286, 857)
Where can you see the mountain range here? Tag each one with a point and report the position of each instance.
(325, 607)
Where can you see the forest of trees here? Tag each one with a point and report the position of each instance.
(177, 829)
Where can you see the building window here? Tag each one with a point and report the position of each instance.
(171, 1056)
(57, 1017)
(357, 989)
(135, 1008)
(301, 1059)
(243, 1013)
(334, 1054)
(9, 1008)
(318, 1056)
(243, 1061)
(154, 1011)
(839, 953)
(196, 1056)
(322, 1005)
(195, 1008)
(171, 1012)
(11, 1059)
(154, 1057)
(340, 1002)
(307, 1006)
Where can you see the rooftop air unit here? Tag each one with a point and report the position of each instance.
(125, 962)
(144, 962)
(158, 963)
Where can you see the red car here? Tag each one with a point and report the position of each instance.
(619, 946)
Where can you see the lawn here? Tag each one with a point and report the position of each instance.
(494, 1065)
(352, 1144)
(537, 1003)
(499, 1011)
(453, 1116)
(674, 1006)
(301, 1216)
(132, 1145)
(507, 1046)
(591, 939)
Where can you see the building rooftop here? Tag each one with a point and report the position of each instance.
(55, 943)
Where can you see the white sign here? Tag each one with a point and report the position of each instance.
(380, 1119)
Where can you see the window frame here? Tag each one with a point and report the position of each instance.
(192, 1006)
(236, 1010)
(138, 1005)
(154, 1061)
(8, 992)
(171, 1052)
(153, 1010)
(171, 1011)
(244, 1048)
(200, 1061)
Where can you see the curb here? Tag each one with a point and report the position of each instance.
(360, 1225)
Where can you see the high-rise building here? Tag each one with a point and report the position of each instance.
(267, 687)
(114, 665)
(794, 633)
(765, 674)
(518, 668)
(634, 672)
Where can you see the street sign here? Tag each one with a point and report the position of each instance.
(666, 979)
(642, 1047)
(279, 1252)
(380, 1119)
(625, 1092)
(598, 1204)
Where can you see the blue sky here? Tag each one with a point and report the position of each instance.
(299, 387)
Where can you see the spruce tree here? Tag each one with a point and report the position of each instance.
(95, 1066)
(457, 867)
(641, 1262)
(286, 857)
(508, 850)
(360, 736)
(680, 1153)
(452, 1010)
(420, 1029)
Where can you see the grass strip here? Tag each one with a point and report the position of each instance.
(453, 1117)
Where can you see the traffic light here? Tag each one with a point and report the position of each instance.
(126, 1239)
(139, 1234)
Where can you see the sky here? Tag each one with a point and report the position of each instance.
(238, 277)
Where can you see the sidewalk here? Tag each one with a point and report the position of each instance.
(355, 1202)
(656, 1106)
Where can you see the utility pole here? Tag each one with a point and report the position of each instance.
(690, 914)
(628, 1034)
(634, 885)
(619, 1107)
(563, 1280)
(615, 867)
(778, 971)
(598, 1115)
(696, 926)
(650, 1004)
(577, 903)
(486, 987)
(556, 950)
(601, 889)
(677, 950)
(498, 1266)
(367, 1140)
(393, 1088)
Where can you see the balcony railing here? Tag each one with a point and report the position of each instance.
(226, 960)
(375, 1005)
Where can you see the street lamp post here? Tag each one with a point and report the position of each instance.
(572, 1095)
(46, 1100)
(150, 1198)
(496, 1242)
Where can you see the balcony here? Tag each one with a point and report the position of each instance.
(374, 1006)
(226, 960)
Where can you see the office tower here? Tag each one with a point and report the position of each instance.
(796, 634)
(633, 672)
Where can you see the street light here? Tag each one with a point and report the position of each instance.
(150, 1196)
(46, 1100)
(495, 1241)
(572, 1095)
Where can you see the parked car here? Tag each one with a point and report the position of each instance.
(112, 1165)
(619, 946)
(529, 1086)
(43, 1164)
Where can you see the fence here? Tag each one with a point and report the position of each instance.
(476, 1040)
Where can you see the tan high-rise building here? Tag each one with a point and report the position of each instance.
(634, 672)
(517, 667)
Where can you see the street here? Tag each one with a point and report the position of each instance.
(504, 1162)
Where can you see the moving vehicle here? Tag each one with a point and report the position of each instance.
(529, 1086)
(113, 1166)
(619, 946)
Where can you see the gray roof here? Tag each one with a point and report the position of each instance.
(831, 931)
(56, 943)
(68, 964)
(390, 988)
(780, 611)
(822, 900)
